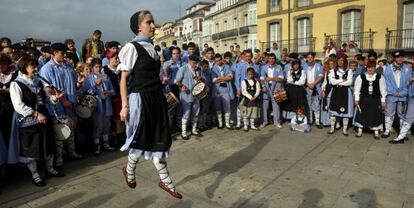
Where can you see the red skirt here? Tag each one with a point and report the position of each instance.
(117, 107)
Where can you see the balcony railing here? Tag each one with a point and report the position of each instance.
(298, 45)
(247, 30)
(399, 39)
(225, 34)
(363, 40)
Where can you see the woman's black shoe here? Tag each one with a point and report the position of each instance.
(39, 182)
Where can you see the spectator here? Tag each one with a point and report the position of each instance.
(5, 43)
(70, 44)
(330, 48)
(111, 47)
(275, 50)
(93, 47)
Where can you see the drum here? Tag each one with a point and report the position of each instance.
(172, 101)
(62, 128)
(200, 90)
(86, 106)
(280, 95)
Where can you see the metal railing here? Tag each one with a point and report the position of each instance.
(298, 45)
(245, 30)
(363, 40)
(399, 39)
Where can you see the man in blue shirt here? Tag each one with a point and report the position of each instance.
(397, 78)
(58, 75)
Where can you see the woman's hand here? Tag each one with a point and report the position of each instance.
(124, 114)
(41, 118)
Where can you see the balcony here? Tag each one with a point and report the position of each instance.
(399, 39)
(248, 30)
(225, 34)
(298, 45)
(363, 40)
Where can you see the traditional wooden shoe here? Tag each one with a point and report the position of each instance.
(171, 192)
(319, 126)
(131, 185)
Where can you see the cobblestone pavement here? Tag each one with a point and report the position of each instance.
(270, 168)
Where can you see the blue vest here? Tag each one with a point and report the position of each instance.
(392, 88)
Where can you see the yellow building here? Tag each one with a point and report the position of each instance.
(307, 25)
(165, 34)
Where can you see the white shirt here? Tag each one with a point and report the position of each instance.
(397, 77)
(270, 71)
(129, 55)
(244, 88)
(340, 81)
(17, 100)
(310, 74)
(5, 78)
(358, 85)
(300, 82)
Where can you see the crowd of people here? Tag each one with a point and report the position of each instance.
(58, 101)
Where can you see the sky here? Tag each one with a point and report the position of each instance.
(57, 20)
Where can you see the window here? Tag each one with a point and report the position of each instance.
(235, 23)
(408, 22)
(217, 28)
(302, 3)
(245, 20)
(251, 17)
(225, 25)
(274, 5)
(274, 29)
(408, 26)
(304, 34)
(351, 26)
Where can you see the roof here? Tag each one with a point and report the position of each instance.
(200, 2)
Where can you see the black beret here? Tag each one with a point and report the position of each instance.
(58, 47)
(398, 53)
(134, 22)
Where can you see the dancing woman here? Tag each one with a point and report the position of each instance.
(144, 107)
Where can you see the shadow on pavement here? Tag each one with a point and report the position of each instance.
(232, 164)
(311, 198)
(245, 203)
(62, 201)
(96, 201)
(144, 202)
(18, 187)
(365, 198)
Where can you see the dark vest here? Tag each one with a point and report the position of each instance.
(375, 84)
(146, 72)
(113, 77)
(344, 76)
(296, 75)
(29, 98)
(5, 101)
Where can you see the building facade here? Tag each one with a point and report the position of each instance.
(189, 28)
(308, 25)
(231, 22)
(165, 34)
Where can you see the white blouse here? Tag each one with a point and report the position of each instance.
(129, 55)
(358, 85)
(300, 82)
(244, 89)
(340, 81)
(16, 96)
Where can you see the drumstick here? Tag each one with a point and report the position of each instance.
(50, 84)
(359, 109)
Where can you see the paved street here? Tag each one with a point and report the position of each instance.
(225, 168)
